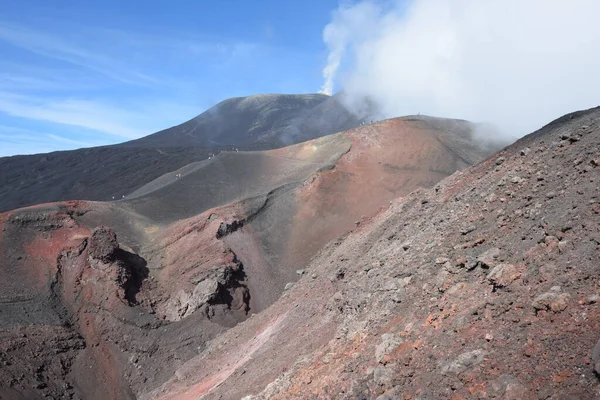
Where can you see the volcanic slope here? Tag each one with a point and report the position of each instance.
(484, 286)
(120, 295)
(104, 173)
(305, 195)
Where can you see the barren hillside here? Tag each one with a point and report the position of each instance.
(485, 286)
(121, 295)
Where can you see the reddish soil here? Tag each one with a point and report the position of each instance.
(387, 160)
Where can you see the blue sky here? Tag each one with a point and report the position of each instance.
(76, 74)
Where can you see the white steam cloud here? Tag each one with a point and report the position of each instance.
(514, 63)
(342, 32)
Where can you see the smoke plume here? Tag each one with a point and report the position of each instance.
(516, 64)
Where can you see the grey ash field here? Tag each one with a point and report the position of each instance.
(394, 260)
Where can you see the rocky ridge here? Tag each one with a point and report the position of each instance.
(483, 287)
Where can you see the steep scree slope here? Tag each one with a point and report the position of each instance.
(484, 287)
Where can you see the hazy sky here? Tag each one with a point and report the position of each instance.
(84, 73)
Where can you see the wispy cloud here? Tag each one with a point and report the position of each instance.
(86, 114)
(14, 133)
(56, 47)
(129, 102)
(114, 84)
(15, 79)
(15, 140)
(70, 141)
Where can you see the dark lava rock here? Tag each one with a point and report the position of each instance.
(226, 229)
(103, 244)
(596, 358)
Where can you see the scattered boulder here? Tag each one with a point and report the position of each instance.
(545, 392)
(392, 394)
(509, 388)
(383, 376)
(503, 275)
(339, 274)
(468, 229)
(553, 300)
(468, 262)
(488, 258)
(570, 137)
(389, 343)
(442, 260)
(592, 299)
(405, 281)
(596, 358)
(464, 361)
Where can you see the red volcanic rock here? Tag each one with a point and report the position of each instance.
(503, 275)
(553, 300)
